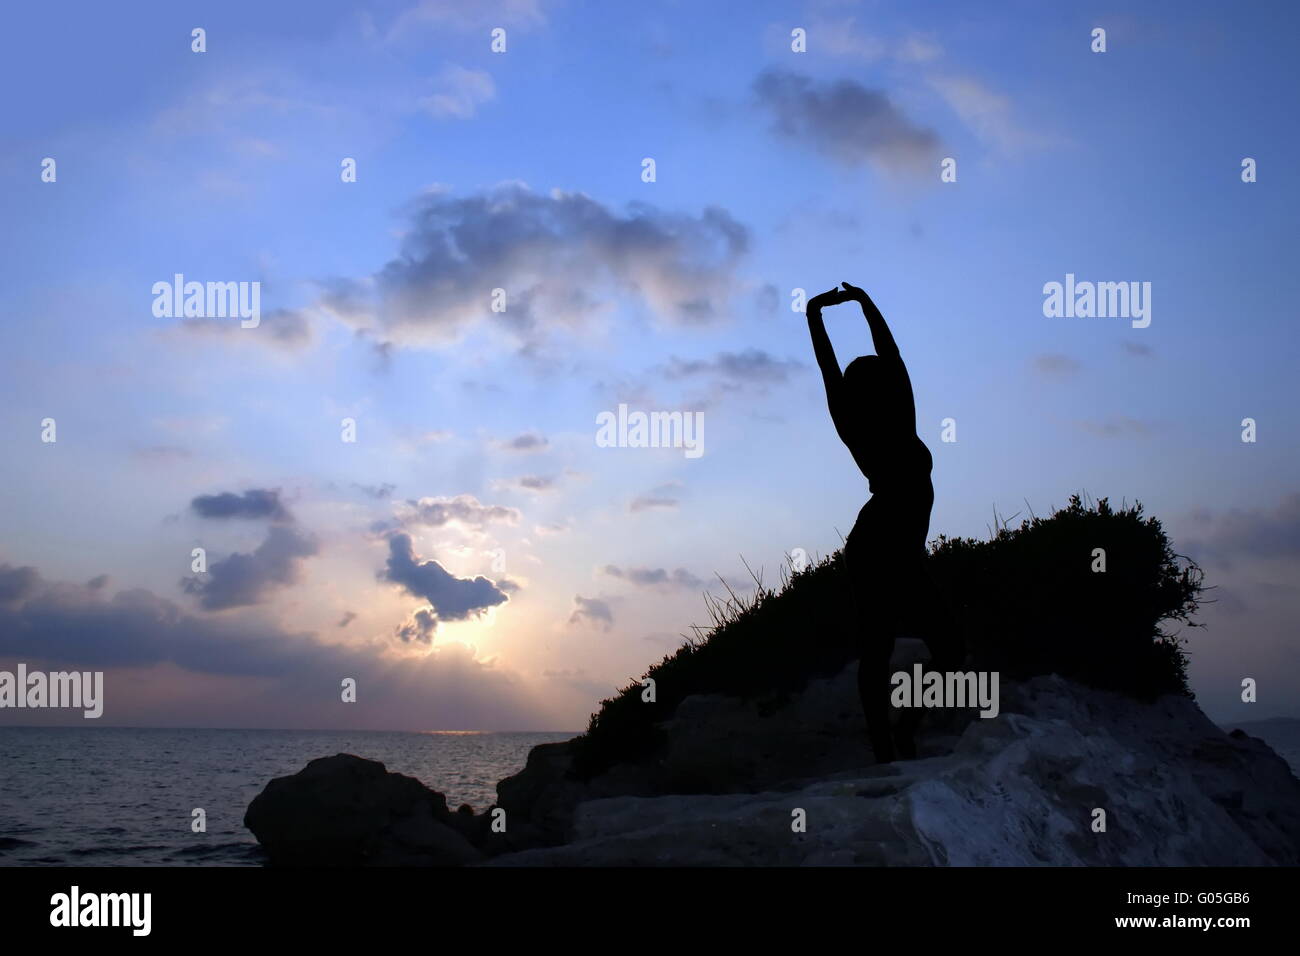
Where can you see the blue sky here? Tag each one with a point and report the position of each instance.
(775, 170)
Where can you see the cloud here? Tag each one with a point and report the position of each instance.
(1254, 533)
(648, 502)
(76, 624)
(452, 598)
(239, 580)
(560, 259)
(593, 610)
(17, 583)
(254, 503)
(846, 121)
(420, 628)
(381, 352)
(1056, 365)
(986, 112)
(217, 109)
(659, 578)
(916, 48)
(285, 328)
(731, 369)
(840, 36)
(527, 442)
(378, 492)
(663, 496)
(463, 509)
(533, 483)
(460, 93)
(1227, 601)
(82, 628)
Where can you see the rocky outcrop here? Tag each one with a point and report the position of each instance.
(1023, 788)
(718, 745)
(348, 811)
(792, 783)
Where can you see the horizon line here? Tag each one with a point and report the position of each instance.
(289, 730)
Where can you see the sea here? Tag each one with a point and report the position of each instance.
(105, 796)
(108, 796)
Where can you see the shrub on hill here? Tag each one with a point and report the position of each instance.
(1029, 600)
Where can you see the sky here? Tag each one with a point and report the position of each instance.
(474, 559)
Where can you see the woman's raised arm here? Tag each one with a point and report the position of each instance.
(881, 337)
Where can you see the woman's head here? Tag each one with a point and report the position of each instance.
(863, 375)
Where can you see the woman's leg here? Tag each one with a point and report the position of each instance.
(874, 689)
(893, 591)
(868, 563)
(911, 593)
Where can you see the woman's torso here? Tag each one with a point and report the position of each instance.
(898, 467)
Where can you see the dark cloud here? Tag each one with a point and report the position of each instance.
(1261, 533)
(420, 628)
(254, 503)
(452, 598)
(347, 300)
(558, 256)
(77, 625)
(532, 483)
(347, 618)
(73, 626)
(846, 121)
(97, 582)
(464, 509)
(17, 583)
(593, 610)
(527, 442)
(239, 580)
(730, 369)
(656, 577)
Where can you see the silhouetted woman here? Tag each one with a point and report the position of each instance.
(874, 411)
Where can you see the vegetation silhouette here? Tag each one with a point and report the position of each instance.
(1025, 602)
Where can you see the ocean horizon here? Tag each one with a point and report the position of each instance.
(126, 796)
